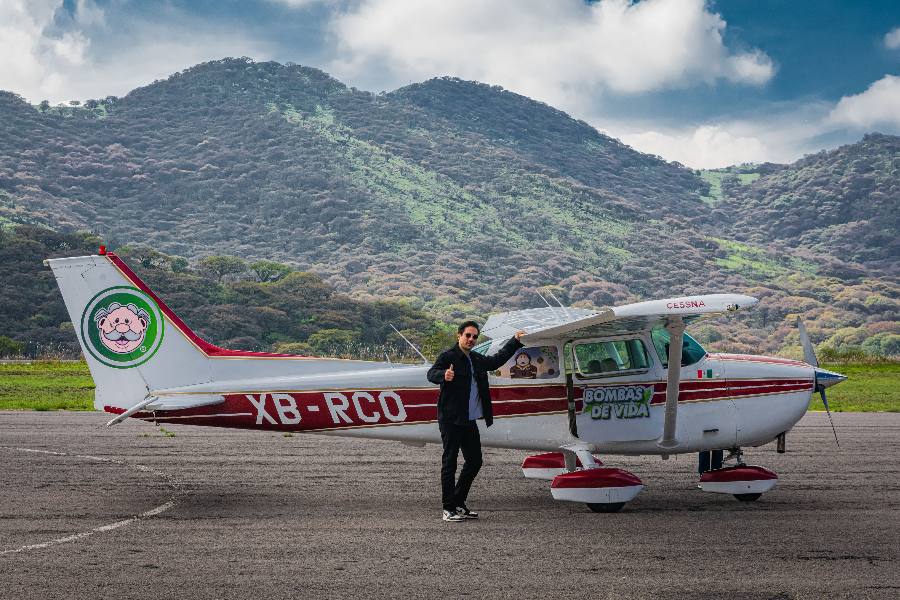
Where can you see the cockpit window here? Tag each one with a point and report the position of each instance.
(691, 350)
(610, 357)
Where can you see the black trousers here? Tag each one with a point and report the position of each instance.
(709, 460)
(456, 438)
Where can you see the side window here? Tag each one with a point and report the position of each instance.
(691, 350)
(609, 358)
(533, 362)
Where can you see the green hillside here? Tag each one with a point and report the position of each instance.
(454, 198)
(843, 202)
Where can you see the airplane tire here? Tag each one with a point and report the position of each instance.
(610, 507)
(747, 497)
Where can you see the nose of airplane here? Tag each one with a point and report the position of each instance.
(826, 378)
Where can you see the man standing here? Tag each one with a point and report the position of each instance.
(465, 397)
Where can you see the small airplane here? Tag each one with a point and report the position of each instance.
(625, 380)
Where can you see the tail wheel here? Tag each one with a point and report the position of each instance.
(605, 508)
(747, 497)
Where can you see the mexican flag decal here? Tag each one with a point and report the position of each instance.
(707, 374)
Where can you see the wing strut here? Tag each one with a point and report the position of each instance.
(675, 327)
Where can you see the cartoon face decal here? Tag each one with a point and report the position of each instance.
(534, 362)
(523, 369)
(122, 327)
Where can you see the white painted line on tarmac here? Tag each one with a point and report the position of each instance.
(157, 510)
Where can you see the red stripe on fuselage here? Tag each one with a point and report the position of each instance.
(337, 409)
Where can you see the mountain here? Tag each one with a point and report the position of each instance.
(554, 142)
(454, 197)
(843, 202)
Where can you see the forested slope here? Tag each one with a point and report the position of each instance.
(250, 306)
(844, 202)
(455, 197)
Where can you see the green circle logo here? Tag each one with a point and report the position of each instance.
(122, 327)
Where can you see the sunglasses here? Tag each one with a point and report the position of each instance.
(474, 336)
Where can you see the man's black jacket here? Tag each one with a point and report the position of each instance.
(453, 402)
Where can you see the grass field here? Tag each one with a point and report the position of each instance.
(50, 385)
(869, 388)
(46, 385)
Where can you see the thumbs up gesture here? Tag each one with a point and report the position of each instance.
(448, 374)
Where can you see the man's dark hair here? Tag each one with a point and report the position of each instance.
(465, 324)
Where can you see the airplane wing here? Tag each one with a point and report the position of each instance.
(552, 323)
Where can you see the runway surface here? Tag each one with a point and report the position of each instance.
(129, 512)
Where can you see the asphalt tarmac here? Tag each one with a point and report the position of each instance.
(131, 512)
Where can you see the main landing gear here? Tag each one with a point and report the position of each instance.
(745, 482)
(578, 476)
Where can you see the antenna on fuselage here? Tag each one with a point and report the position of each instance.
(411, 345)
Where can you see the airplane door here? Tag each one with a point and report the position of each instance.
(707, 416)
(615, 380)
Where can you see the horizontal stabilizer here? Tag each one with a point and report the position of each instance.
(164, 403)
(181, 402)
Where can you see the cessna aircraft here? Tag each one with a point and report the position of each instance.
(623, 380)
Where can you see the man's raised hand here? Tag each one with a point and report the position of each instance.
(448, 374)
(519, 334)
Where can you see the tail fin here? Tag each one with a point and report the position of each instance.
(132, 342)
(137, 349)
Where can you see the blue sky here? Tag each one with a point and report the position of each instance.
(704, 83)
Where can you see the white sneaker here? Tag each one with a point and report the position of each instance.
(453, 516)
(465, 513)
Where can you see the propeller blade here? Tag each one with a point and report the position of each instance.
(828, 411)
(809, 355)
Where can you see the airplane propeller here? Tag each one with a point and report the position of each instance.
(824, 378)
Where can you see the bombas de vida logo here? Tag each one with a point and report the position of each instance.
(122, 327)
(621, 402)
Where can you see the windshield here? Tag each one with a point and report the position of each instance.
(691, 350)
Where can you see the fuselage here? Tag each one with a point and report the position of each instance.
(725, 401)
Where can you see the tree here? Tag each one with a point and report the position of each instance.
(179, 264)
(267, 270)
(10, 347)
(220, 267)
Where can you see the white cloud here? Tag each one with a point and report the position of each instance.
(88, 13)
(892, 38)
(783, 134)
(30, 60)
(559, 52)
(879, 105)
(297, 3)
(43, 59)
(706, 146)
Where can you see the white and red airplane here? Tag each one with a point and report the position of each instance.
(586, 382)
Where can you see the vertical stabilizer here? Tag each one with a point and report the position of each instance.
(131, 345)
